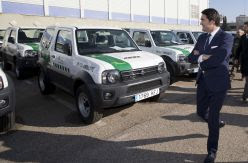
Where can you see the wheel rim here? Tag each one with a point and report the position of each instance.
(41, 81)
(84, 105)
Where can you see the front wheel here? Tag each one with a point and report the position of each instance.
(5, 65)
(19, 72)
(171, 71)
(86, 108)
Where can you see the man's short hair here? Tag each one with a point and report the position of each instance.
(212, 14)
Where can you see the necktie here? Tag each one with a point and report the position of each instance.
(207, 41)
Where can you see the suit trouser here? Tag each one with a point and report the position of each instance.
(209, 105)
(245, 94)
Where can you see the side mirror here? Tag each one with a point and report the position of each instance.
(148, 43)
(67, 48)
(11, 40)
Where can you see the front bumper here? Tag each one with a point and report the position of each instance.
(7, 96)
(187, 68)
(124, 93)
(27, 62)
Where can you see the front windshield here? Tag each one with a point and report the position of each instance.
(2, 32)
(197, 34)
(95, 41)
(29, 35)
(165, 38)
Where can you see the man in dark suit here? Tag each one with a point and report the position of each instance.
(212, 52)
(242, 54)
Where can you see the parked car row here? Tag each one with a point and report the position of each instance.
(100, 67)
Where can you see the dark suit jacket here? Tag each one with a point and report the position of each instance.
(215, 70)
(242, 54)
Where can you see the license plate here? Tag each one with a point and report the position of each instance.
(147, 94)
(196, 70)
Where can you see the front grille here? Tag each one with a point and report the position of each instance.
(144, 87)
(138, 73)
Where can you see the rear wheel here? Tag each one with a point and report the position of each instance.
(7, 122)
(43, 82)
(89, 113)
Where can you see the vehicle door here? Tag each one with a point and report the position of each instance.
(61, 59)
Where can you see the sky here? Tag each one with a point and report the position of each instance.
(230, 8)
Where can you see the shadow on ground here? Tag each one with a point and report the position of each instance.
(27, 146)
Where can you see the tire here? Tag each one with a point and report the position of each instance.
(19, 72)
(44, 85)
(171, 71)
(85, 106)
(7, 122)
(193, 75)
(6, 66)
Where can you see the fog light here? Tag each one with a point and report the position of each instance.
(108, 96)
(4, 103)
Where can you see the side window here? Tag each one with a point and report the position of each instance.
(63, 38)
(47, 38)
(12, 36)
(140, 38)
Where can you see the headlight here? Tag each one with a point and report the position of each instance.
(110, 76)
(31, 53)
(161, 67)
(1, 83)
(181, 57)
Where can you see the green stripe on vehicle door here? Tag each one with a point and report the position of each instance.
(116, 63)
(185, 52)
(34, 46)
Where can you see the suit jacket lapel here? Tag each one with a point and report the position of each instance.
(216, 36)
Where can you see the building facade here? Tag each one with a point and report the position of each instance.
(240, 20)
(176, 13)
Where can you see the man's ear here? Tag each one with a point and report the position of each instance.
(212, 22)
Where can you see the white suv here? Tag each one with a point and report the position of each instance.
(20, 49)
(101, 67)
(167, 45)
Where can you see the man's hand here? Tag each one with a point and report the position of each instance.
(205, 57)
(196, 52)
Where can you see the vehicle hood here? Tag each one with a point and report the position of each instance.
(180, 49)
(124, 61)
